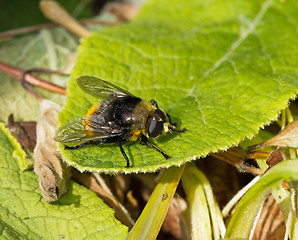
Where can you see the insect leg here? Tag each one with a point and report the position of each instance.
(170, 120)
(154, 103)
(144, 141)
(82, 144)
(124, 154)
(173, 125)
(179, 131)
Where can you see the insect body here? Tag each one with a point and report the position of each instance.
(119, 118)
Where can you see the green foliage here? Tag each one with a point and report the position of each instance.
(152, 217)
(220, 69)
(25, 162)
(23, 215)
(205, 216)
(47, 49)
(16, 14)
(198, 206)
(242, 220)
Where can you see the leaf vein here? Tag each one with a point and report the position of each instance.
(242, 37)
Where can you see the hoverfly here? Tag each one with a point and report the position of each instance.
(119, 118)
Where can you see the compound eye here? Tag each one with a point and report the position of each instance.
(160, 114)
(155, 128)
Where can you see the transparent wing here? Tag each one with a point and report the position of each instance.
(87, 128)
(100, 88)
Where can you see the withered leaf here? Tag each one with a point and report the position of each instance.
(270, 224)
(288, 137)
(52, 171)
(236, 157)
(275, 157)
(89, 181)
(24, 132)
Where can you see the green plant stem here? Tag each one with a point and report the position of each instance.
(149, 223)
(198, 208)
(238, 196)
(203, 206)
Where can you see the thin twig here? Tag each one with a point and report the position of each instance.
(58, 14)
(226, 210)
(29, 29)
(92, 182)
(18, 74)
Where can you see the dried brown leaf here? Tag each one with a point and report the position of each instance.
(275, 157)
(120, 186)
(172, 223)
(24, 132)
(52, 171)
(57, 13)
(92, 183)
(270, 224)
(236, 156)
(288, 137)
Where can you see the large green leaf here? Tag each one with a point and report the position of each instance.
(222, 69)
(24, 215)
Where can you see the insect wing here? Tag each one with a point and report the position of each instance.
(73, 131)
(85, 129)
(99, 88)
